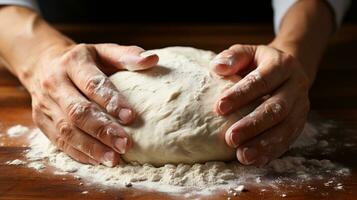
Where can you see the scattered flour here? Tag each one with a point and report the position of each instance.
(16, 162)
(17, 131)
(196, 179)
(240, 188)
(36, 165)
(199, 178)
(307, 138)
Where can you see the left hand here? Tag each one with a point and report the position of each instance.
(280, 80)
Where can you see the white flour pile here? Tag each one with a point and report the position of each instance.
(201, 178)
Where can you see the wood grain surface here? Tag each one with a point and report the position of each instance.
(333, 98)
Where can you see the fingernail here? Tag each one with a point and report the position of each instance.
(250, 155)
(121, 144)
(125, 115)
(108, 159)
(131, 59)
(224, 60)
(234, 139)
(224, 107)
(146, 54)
(134, 59)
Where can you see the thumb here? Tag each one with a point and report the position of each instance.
(132, 58)
(233, 60)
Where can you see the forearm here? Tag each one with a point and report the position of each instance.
(24, 38)
(304, 33)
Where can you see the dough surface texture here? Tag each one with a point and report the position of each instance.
(174, 102)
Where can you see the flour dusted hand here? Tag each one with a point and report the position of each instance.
(280, 80)
(176, 122)
(75, 104)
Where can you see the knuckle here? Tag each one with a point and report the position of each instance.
(49, 82)
(78, 111)
(61, 144)
(26, 74)
(65, 129)
(46, 83)
(102, 132)
(36, 108)
(262, 81)
(78, 49)
(101, 117)
(250, 79)
(237, 90)
(236, 46)
(39, 105)
(75, 53)
(256, 80)
(94, 85)
(288, 60)
(112, 102)
(282, 62)
(89, 149)
(277, 109)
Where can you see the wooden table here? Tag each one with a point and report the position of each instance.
(333, 97)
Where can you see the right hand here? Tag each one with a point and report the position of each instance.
(76, 105)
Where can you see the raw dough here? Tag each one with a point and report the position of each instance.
(174, 102)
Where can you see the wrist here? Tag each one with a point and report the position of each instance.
(285, 45)
(298, 50)
(37, 62)
(34, 39)
(304, 33)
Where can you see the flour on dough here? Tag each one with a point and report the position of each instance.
(174, 102)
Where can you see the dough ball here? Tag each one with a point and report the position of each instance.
(175, 105)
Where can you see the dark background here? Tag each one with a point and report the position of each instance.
(129, 11)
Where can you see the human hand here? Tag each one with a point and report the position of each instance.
(280, 80)
(76, 105)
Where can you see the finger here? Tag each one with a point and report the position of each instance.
(46, 126)
(88, 117)
(132, 58)
(265, 116)
(236, 58)
(261, 81)
(84, 73)
(74, 153)
(71, 135)
(101, 90)
(275, 141)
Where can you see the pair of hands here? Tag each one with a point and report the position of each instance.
(81, 112)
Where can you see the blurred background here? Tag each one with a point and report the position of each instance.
(90, 11)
